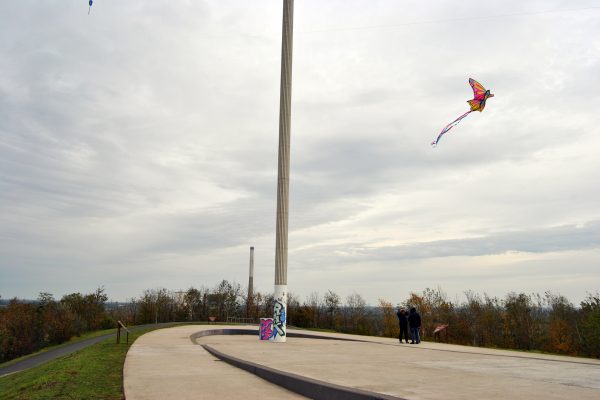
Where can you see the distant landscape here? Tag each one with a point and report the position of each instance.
(532, 322)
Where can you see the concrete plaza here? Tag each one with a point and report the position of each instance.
(167, 364)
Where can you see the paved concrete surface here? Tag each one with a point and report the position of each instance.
(165, 364)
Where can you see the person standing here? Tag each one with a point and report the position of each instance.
(414, 321)
(403, 320)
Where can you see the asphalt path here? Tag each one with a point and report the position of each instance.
(53, 354)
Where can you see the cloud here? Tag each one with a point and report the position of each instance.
(140, 143)
(553, 239)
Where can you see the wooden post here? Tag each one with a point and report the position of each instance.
(119, 326)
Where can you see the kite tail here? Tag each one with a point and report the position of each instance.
(89, 10)
(448, 127)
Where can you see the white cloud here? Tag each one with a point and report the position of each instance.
(138, 146)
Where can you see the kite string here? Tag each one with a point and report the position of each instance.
(448, 127)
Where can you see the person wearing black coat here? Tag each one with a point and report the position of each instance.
(414, 321)
(403, 320)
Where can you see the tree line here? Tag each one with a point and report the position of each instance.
(27, 326)
(549, 322)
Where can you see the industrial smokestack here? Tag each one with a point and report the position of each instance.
(251, 278)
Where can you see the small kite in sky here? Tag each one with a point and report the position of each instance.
(90, 9)
(477, 104)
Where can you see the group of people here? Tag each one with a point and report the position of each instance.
(411, 320)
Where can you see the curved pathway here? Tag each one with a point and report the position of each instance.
(166, 364)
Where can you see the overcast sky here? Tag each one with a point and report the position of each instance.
(138, 146)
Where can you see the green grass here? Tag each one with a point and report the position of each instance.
(74, 339)
(95, 372)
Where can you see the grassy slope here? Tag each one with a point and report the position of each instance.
(95, 372)
(74, 339)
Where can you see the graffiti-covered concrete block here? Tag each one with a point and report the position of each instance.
(266, 329)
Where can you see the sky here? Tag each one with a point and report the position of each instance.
(138, 146)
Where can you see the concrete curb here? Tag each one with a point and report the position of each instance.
(254, 332)
(308, 387)
(522, 356)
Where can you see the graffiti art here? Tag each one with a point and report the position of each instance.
(279, 320)
(266, 328)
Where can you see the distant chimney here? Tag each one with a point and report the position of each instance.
(251, 279)
(250, 300)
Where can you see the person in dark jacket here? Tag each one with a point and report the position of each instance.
(403, 320)
(414, 321)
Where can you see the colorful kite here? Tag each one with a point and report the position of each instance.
(477, 104)
(90, 9)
